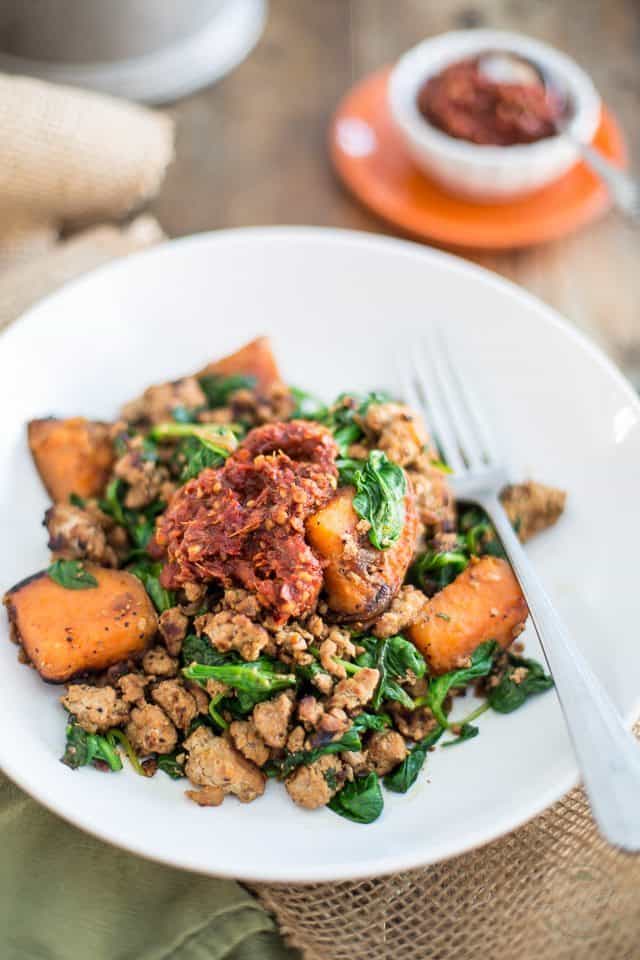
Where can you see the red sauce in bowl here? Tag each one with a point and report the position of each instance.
(464, 103)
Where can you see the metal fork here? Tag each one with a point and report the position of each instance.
(607, 753)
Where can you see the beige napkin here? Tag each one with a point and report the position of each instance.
(26, 281)
(70, 158)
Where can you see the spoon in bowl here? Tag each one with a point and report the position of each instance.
(502, 66)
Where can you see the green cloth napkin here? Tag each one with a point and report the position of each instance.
(66, 896)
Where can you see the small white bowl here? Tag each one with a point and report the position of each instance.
(489, 173)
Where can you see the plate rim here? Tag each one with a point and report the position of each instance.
(390, 862)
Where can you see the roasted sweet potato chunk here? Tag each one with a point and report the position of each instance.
(72, 456)
(360, 581)
(255, 359)
(68, 632)
(484, 602)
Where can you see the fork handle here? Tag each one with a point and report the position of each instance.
(608, 754)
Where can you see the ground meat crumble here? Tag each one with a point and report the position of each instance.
(150, 730)
(76, 534)
(178, 704)
(271, 720)
(173, 625)
(311, 785)
(146, 479)
(248, 741)
(214, 762)
(233, 631)
(405, 609)
(158, 402)
(96, 709)
(158, 663)
(385, 750)
(532, 507)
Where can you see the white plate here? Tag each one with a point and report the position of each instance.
(335, 303)
(167, 72)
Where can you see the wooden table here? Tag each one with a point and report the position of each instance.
(252, 149)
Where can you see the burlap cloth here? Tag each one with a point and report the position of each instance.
(71, 159)
(552, 889)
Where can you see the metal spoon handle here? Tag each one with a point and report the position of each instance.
(624, 190)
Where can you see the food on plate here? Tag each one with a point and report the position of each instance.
(360, 579)
(532, 507)
(243, 524)
(248, 584)
(254, 362)
(483, 601)
(72, 456)
(75, 618)
(468, 103)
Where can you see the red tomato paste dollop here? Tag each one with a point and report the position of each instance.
(463, 102)
(243, 524)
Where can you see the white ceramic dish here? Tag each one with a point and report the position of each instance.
(130, 48)
(481, 172)
(335, 303)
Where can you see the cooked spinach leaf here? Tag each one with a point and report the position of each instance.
(331, 778)
(346, 435)
(360, 801)
(342, 417)
(218, 388)
(350, 740)
(433, 570)
(476, 530)
(83, 748)
(441, 464)
(308, 671)
(530, 678)
(111, 503)
(139, 524)
(77, 501)
(255, 677)
(117, 735)
(371, 721)
(215, 714)
(149, 450)
(148, 571)
(405, 775)
(72, 575)
(244, 701)
(467, 732)
(439, 687)
(195, 457)
(182, 414)
(170, 765)
(217, 439)
(348, 469)
(199, 721)
(381, 487)
(200, 650)
(394, 657)
(307, 407)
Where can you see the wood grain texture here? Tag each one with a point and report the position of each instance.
(252, 149)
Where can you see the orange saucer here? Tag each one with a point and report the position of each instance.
(370, 157)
